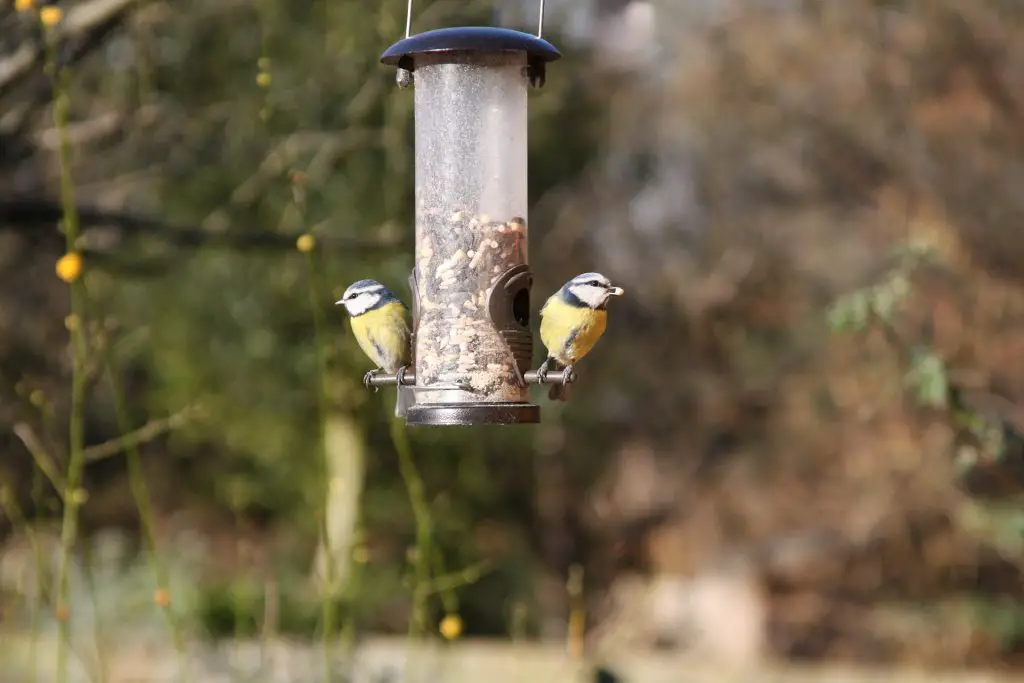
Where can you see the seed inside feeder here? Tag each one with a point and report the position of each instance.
(470, 222)
(474, 343)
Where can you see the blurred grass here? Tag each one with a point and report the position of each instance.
(474, 660)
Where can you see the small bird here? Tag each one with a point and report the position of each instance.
(378, 320)
(572, 320)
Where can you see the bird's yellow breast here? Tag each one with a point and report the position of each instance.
(383, 335)
(570, 332)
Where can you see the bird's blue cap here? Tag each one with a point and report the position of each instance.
(367, 285)
(364, 285)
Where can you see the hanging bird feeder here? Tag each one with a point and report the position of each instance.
(472, 342)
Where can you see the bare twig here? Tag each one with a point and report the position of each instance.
(288, 150)
(46, 464)
(144, 434)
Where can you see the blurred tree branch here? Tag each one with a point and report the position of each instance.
(35, 217)
(95, 16)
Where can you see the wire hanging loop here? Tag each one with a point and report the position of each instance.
(409, 19)
(403, 77)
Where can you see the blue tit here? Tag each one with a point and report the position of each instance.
(572, 321)
(378, 320)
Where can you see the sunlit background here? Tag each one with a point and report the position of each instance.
(800, 440)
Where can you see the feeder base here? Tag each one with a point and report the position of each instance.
(465, 414)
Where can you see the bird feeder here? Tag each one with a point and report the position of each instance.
(472, 342)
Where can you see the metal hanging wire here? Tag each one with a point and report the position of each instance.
(408, 19)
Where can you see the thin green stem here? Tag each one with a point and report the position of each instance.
(76, 427)
(237, 587)
(421, 512)
(10, 506)
(329, 599)
(445, 585)
(442, 585)
(140, 493)
(321, 359)
(17, 518)
(99, 625)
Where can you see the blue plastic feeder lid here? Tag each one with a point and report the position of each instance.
(481, 39)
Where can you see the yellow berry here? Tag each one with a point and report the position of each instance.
(72, 322)
(263, 79)
(69, 267)
(23, 5)
(162, 598)
(305, 243)
(36, 398)
(50, 15)
(80, 496)
(360, 555)
(451, 627)
(62, 612)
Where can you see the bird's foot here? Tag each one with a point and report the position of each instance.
(400, 375)
(368, 380)
(568, 376)
(542, 371)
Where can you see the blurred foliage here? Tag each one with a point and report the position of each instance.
(814, 211)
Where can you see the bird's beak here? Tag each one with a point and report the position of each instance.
(616, 291)
(339, 301)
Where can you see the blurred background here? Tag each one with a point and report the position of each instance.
(799, 440)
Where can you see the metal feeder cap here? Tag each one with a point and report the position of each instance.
(483, 39)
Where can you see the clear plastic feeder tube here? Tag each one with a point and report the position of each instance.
(471, 211)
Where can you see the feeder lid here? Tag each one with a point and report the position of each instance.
(483, 39)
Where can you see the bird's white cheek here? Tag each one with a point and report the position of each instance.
(361, 304)
(591, 296)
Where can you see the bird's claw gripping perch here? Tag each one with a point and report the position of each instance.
(400, 375)
(543, 375)
(368, 381)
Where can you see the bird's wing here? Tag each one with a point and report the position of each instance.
(384, 337)
(391, 346)
(397, 337)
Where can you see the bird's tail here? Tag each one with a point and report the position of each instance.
(557, 392)
(404, 400)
